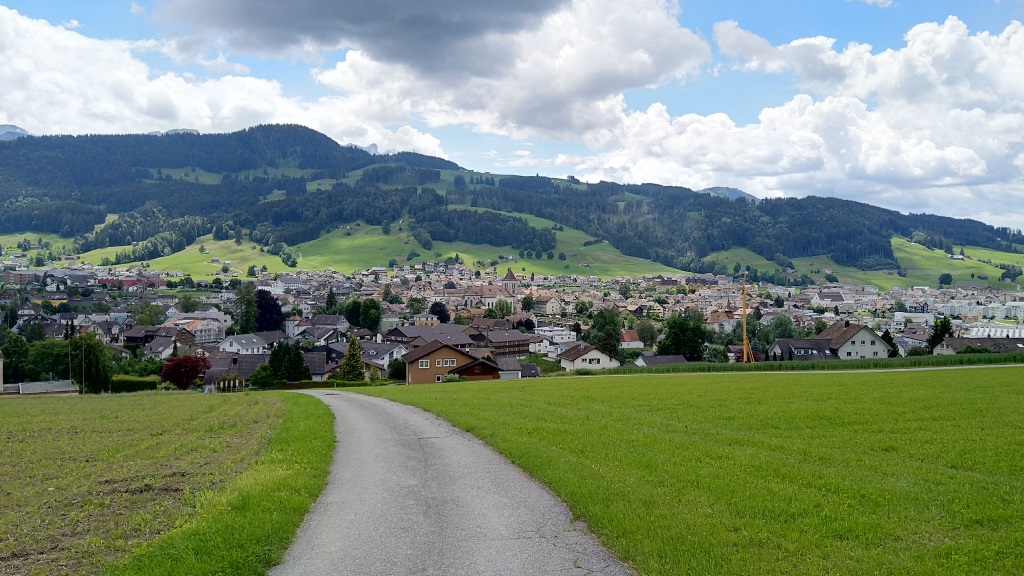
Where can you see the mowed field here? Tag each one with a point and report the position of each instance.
(915, 472)
(157, 483)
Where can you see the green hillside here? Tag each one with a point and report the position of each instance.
(922, 266)
(360, 246)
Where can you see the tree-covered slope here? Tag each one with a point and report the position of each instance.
(284, 185)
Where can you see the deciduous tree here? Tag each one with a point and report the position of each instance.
(184, 371)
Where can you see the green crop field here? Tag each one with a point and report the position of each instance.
(916, 472)
(157, 483)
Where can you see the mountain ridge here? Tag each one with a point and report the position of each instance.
(287, 184)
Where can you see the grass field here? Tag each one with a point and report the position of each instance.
(844, 473)
(922, 266)
(166, 483)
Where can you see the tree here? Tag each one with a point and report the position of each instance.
(685, 334)
(779, 327)
(188, 303)
(269, 315)
(606, 331)
(184, 371)
(943, 327)
(582, 307)
(286, 363)
(945, 279)
(441, 311)
(416, 305)
(647, 332)
(396, 369)
(331, 304)
(888, 339)
(527, 303)
(900, 306)
(33, 332)
(246, 312)
(90, 364)
(370, 314)
(262, 378)
(49, 359)
(352, 311)
(15, 352)
(352, 365)
(503, 308)
(149, 314)
(251, 272)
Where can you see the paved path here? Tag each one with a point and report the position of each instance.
(409, 494)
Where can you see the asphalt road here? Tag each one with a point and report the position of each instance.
(409, 494)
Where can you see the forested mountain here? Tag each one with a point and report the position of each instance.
(170, 189)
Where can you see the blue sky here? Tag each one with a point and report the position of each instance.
(911, 105)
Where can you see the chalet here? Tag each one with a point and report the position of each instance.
(436, 360)
(794, 349)
(583, 355)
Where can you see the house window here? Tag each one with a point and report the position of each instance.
(438, 363)
(439, 378)
(593, 360)
(876, 354)
(872, 342)
(848, 354)
(424, 363)
(449, 362)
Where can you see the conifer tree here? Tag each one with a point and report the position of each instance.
(352, 365)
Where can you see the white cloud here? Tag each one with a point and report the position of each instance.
(137, 9)
(58, 81)
(937, 126)
(882, 3)
(567, 78)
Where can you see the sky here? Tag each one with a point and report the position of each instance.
(913, 105)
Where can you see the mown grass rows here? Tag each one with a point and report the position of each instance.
(157, 483)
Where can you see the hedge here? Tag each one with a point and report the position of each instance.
(121, 383)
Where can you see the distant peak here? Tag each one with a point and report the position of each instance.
(10, 132)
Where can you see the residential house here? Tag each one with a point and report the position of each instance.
(629, 340)
(244, 344)
(583, 355)
(436, 360)
(647, 361)
(851, 341)
(996, 345)
(508, 343)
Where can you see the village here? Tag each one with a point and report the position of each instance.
(443, 321)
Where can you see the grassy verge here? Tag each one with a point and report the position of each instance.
(86, 481)
(247, 527)
(845, 473)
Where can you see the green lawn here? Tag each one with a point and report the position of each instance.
(157, 483)
(839, 473)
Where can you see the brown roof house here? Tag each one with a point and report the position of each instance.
(583, 355)
(434, 361)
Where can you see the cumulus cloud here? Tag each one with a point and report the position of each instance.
(57, 81)
(567, 78)
(936, 126)
(437, 36)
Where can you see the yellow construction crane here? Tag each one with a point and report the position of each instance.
(748, 354)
